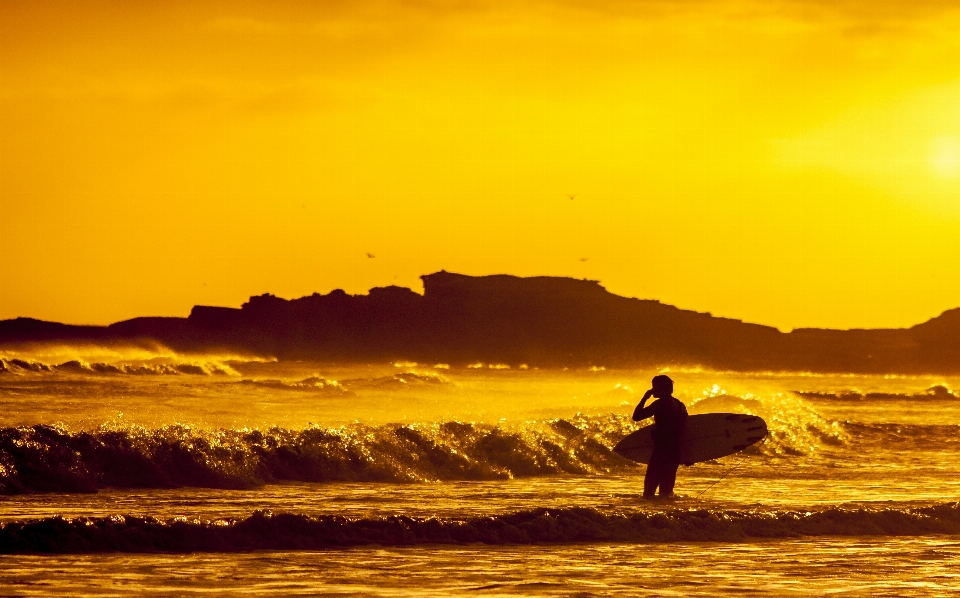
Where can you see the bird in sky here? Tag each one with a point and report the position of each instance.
(583, 259)
(572, 196)
(370, 255)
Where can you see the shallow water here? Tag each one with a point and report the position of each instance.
(846, 566)
(230, 438)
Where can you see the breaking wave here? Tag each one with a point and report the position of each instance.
(938, 392)
(404, 380)
(319, 384)
(152, 369)
(795, 427)
(267, 531)
(311, 384)
(52, 459)
(45, 458)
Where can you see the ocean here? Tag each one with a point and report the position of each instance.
(134, 472)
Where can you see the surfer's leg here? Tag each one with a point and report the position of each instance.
(652, 478)
(668, 477)
(667, 464)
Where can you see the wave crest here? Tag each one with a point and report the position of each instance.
(266, 531)
(403, 380)
(52, 459)
(77, 366)
(937, 392)
(311, 384)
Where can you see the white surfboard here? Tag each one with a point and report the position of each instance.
(705, 436)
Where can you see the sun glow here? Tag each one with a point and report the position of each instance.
(157, 158)
(945, 157)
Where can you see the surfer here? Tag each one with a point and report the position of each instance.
(669, 416)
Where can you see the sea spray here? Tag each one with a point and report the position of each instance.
(45, 458)
(795, 427)
(82, 368)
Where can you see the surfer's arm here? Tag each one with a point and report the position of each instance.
(641, 412)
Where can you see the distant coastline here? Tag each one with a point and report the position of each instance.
(541, 321)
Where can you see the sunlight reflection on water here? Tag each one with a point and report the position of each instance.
(826, 450)
(854, 566)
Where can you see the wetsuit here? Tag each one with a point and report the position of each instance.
(669, 417)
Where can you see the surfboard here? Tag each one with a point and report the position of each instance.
(705, 436)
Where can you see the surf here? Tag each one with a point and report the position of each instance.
(264, 530)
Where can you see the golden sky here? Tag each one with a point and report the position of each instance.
(788, 162)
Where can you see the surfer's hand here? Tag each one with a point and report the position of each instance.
(647, 395)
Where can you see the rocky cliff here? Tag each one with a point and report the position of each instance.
(544, 321)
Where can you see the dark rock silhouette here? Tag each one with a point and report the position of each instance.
(543, 321)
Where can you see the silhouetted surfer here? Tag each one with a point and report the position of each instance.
(669, 415)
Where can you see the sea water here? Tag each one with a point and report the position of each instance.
(157, 474)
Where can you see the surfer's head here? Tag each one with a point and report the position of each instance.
(662, 386)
